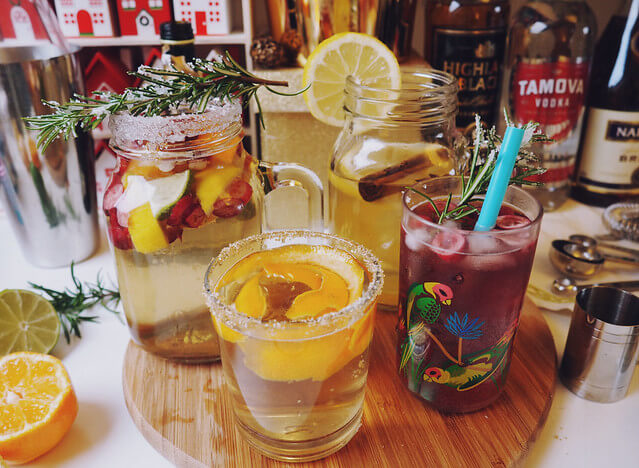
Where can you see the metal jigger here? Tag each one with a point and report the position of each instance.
(603, 344)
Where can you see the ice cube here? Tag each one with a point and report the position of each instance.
(484, 244)
(489, 253)
(415, 239)
(166, 166)
(198, 164)
(123, 218)
(517, 240)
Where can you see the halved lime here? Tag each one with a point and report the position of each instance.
(167, 191)
(28, 322)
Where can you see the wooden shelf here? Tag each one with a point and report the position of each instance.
(237, 37)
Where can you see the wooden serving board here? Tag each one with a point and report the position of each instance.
(184, 411)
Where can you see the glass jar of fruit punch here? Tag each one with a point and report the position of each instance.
(183, 188)
(391, 138)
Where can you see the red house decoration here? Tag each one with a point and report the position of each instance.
(106, 73)
(208, 17)
(142, 17)
(104, 164)
(20, 21)
(85, 18)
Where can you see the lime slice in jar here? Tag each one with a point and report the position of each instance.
(167, 191)
(161, 194)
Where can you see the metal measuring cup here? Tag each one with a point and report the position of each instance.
(603, 344)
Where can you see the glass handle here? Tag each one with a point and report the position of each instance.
(277, 175)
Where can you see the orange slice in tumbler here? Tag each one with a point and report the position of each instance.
(333, 279)
(331, 295)
(251, 300)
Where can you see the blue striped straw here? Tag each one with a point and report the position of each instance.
(500, 178)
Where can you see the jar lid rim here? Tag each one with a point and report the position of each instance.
(421, 80)
(217, 118)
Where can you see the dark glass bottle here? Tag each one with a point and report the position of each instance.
(178, 43)
(550, 47)
(467, 38)
(608, 162)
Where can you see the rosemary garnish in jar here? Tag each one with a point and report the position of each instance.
(478, 168)
(163, 91)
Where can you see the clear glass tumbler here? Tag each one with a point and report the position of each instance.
(297, 385)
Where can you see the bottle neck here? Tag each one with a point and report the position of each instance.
(185, 48)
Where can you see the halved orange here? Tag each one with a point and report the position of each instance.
(37, 405)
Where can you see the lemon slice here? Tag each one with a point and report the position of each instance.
(28, 322)
(359, 55)
(146, 232)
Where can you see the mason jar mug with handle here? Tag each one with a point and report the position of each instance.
(184, 188)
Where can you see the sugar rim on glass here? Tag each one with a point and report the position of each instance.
(355, 310)
(219, 115)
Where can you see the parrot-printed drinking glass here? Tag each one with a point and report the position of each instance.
(460, 295)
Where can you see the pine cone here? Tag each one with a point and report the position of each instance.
(292, 43)
(267, 53)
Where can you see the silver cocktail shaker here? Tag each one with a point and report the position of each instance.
(49, 196)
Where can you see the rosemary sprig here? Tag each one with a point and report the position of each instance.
(480, 165)
(164, 90)
(71, 304)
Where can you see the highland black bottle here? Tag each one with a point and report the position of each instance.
(608, 166)
(467, 38)
(548, 58)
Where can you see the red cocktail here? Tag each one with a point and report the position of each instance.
(460, 295)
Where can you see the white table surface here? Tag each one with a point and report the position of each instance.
(577, 433)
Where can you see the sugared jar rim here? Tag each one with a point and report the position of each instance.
(185, 123)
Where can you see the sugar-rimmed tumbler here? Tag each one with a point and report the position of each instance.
(296, 384)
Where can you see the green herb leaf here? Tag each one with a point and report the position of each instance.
(480, 165)
(72, 304)
(164, 91)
